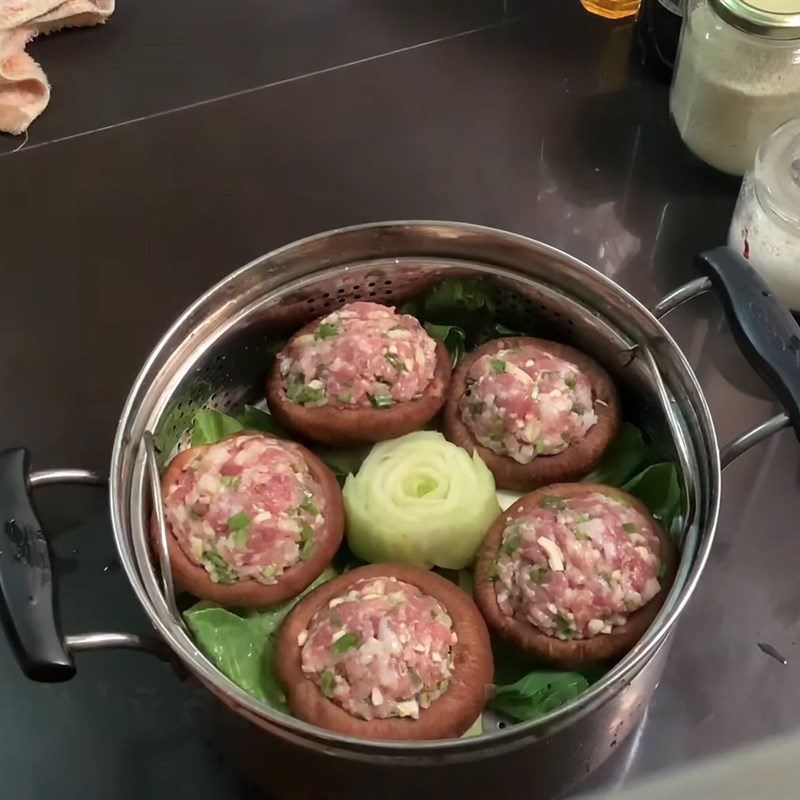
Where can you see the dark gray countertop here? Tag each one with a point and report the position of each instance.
(142, 185)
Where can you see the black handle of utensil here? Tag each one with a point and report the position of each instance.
(27, 598)
(765, 329)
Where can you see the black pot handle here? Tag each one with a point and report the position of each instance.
(26, 578)
(28, 606)
(765, 330)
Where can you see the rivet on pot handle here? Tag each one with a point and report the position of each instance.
(27, 599)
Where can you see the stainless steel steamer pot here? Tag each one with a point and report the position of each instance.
(215, 356)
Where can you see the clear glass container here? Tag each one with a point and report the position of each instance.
(737, 77)
(765, 227)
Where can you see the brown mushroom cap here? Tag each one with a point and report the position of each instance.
(449, 715)
(572, 652)
(352, 426)
(193, 578)
(579, 459)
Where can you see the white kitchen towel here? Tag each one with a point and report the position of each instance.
(24, 89)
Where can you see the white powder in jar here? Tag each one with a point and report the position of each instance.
(765, 228)
(731, 89)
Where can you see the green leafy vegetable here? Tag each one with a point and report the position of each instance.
(347, 642)
(629, 527)
(537, 694)
(343, 461)
(632, 465)
(570, 383)
(498, 365)
(659, 489)
(451, 336)
(625, 456)
(170, 431)
(212, 426)
(468, 311)
(240, 644)
(464, 294)
(551, 500)
(419, 500)
(256, 419)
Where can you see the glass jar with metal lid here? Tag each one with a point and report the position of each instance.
(737, 77)
(765, 227)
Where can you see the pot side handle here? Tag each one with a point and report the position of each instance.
(28, 602)
(765, 330)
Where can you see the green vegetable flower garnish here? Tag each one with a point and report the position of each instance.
(419, 500)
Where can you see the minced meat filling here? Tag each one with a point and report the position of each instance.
(382, 650)
(576, 567)
(247, 507)
(363, 355)
(524, 402)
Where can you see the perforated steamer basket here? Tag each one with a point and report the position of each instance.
(216, 356)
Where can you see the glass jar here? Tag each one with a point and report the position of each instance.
(765, 227)
(737, 77)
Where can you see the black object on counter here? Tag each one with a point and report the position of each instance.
(658, 28)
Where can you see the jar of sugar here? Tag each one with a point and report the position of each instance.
(765, 227)
(737, 77)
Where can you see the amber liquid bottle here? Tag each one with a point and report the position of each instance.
(612, 9)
